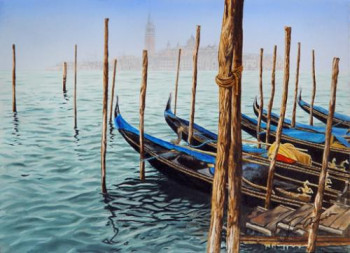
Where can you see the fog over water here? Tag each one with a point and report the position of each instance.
(45, 31)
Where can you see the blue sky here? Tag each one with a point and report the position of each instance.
(45, 31)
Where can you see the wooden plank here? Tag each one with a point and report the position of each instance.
(331, 214)
(266, 222)
(264, 219)
(343, 222)
(298, 217)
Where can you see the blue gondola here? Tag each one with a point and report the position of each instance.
(298, 126)
(197, 169)
(339, 120)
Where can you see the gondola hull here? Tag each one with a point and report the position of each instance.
(339, 120)
(314, 149)
(194, 169)
(206, 140)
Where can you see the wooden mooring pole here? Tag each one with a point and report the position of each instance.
(288, 31)
(142, 111)
(296, 88)
(235, 155)
(104, 110)
(272, 96)
(14, 106)
(313, 89)
(225, 80)
(261, 92)
(75, 86)
(64, 88)
(316, 214)
(112, 95)
(177, 79)
(194, 84)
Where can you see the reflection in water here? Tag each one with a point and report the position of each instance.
(65, 96)
(76, 134)
(154, 212)
(111, 133)
(15, 124)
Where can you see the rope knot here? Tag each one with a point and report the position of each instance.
(229, 81)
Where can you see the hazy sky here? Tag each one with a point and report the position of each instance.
(45, 31)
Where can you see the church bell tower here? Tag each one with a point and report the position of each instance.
(150, 36)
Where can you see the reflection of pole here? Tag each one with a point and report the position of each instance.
(316, 214)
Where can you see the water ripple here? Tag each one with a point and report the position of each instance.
(50, 197)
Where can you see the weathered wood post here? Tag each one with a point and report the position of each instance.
(261, 92)
(14, 107)
(104, 110)
(269, 109)
(64, 77)
(194, 84)
(313, 89)
(288, 31)
(316, 214)
(225, 80)
(142, 111)
(75, 86)
(177, 78)
(112, 95)
(235, 155)
(296, 88)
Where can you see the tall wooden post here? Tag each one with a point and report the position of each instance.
(75, 86)
(104, 110)
(225, 80)
(296, 88)
(313, 88)
(261, 97)
(14, 107)
(113, 85)
(316, 214)
(177, 78)
(142, 111)
(235, 155)
(64, 77)
(269, 109)
(194, 84)
(288, 31)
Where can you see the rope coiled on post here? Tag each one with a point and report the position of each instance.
(229, 81)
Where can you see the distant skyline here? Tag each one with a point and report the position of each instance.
(45, 31)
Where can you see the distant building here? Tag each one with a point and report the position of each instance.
(150, 39)
(166, 59)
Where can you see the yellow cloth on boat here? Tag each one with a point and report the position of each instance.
(335, 143)
(290, 151)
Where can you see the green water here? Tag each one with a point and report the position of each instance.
(50, 197)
